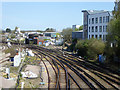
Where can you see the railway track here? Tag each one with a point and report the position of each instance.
(63, 67)
(80, 68)
(98, 65)
(100, 72)
(57, 85)
(83, 78)
(100, 85)
(91, 65)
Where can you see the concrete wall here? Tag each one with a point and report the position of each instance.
(78, 35)
(85, 24)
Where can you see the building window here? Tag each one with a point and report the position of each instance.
(106, 28)
(96, 36)
(96, 20)
(100, 19)
(100, 28)
(89, 21)
(103, 19)
(89, 36)
(89, 29)
(107, 19)
(92, 36)
(100, 37)
(96, 29)
(103, 37)
(92, 20)
(92, 28)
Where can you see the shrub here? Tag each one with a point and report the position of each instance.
(72, 46)
(11, 50)
(90, 48)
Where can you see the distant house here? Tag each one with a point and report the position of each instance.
(32, 37)
(50, 34)
(75, 27)
(77, 34)
(18, 31)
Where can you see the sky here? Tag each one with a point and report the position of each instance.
(42, 15)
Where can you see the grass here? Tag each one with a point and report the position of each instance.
(29, 83)
(5, 76)
(11, 51)
(14, 69)
(8, 64)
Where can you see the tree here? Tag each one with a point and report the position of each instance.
(16, 28)
(50, 30)
(8, 30)
(81, 27)
(58, 35)
(76, 29)
(67, 35)
(90, 48)
(117, 13)
(114, 35)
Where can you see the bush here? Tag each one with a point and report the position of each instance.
(12, 36)
(82, 47)
(72, 46)
(90, 48)
(109, 52)
(11, 50)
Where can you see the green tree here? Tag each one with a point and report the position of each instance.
(67, 35)
(8, 30)
(58, 35)
(117, 13)
(76, 29)
(81, 27)
(50, 30)
(16, 28)
(113, 36)
(12, 36)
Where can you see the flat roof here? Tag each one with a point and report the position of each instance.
(97, 11)
(78, 31)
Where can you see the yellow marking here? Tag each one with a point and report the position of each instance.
(55, 83)
(45, 71)
(59, 66)
(49, 66)
(50, 83)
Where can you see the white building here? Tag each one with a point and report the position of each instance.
(95, 23)
(18, 31)
(75, 27)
